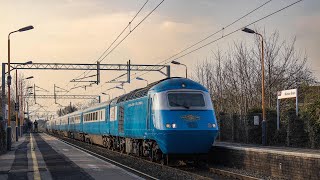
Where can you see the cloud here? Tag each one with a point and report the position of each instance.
(308, 28)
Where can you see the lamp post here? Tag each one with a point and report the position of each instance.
(141, 79)
(9, 84)
(263, 124)
(107, 95)
(21, 101)
(178, 63)
(17, 102)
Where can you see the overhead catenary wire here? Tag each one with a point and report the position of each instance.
(202, 40)
(207, 37)
(133, 29)
(224, 36)
(215, 40)
(118, 35)
(129, 34)
(104, 56)
(221, 30)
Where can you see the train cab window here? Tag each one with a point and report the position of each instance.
(186, 100)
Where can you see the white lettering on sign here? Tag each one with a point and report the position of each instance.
(291, 93)
(135, 104)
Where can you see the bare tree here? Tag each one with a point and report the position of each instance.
(233, 78)
(67, 110)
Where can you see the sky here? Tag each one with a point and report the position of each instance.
(78, 31)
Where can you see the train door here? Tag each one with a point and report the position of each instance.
(150, 112)
(107, 118)
(121, 119)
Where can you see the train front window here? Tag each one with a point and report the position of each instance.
(186, 100)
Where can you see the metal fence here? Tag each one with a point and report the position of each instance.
(294, 131)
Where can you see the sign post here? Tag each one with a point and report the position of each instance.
(291, 93)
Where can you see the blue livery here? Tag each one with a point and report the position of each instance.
(171, 116)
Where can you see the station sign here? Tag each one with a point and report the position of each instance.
(290, 93)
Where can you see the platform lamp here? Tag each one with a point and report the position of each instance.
(178, 63)
(263, 124)
(9, 84)
(141, 79)
(21, 99)
(17, 102)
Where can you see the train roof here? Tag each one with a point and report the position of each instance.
(96, 106)
(158, 86)
(177, 83)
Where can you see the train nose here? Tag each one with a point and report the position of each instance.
(186, 142)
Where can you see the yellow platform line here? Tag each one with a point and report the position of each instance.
(36, 173)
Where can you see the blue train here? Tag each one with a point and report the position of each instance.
(173, 116)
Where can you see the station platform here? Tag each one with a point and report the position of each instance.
(303, 152)
(274, 162)
(40, 156)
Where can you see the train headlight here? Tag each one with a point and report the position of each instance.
(213, 125)
(168, 125)
(174, 125)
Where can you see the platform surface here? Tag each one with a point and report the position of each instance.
(40, 156)
(303, 152)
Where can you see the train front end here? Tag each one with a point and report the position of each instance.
(183, 117)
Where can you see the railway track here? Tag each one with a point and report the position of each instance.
(151, 170)
(127, 168)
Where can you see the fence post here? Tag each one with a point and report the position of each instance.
(233, 126)
(247, 128)
(288, 129)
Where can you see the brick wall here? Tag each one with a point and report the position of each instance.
(276, 165)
